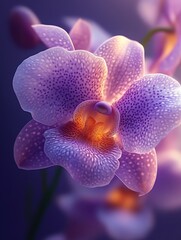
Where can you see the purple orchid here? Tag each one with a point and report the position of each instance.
(116, 212)
(97, 115)
(166, 194)
(167, 45)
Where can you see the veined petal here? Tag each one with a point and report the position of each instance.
(53, 36)
(81, 34)
(149, 110)
(88, 165)
(52, 83)
(138, 171)
(28, 148)
(125, 62)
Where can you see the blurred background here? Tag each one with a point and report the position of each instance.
(21, 190)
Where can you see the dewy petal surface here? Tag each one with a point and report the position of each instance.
(53, 36)
(52, 83)
(81, 34)
(88, 165)
(149, 110)
(29, 147)
(138, 171)
(125, 62)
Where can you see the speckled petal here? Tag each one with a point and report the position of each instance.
(125, 61)
(86, 164)
(52, 83)
(28, 148)
(125, 225)
(53, 36)
(138, 171)
(149, 110)
(81, 34)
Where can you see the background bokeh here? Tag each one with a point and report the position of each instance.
(18, 186)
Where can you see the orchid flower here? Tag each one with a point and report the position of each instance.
(167, 45)
(97, 115)
(166, 194)
(116, 212)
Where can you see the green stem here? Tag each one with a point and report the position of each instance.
(152, 32)
(46, 199)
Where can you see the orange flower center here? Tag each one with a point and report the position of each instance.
(123, 198)
(95, 123)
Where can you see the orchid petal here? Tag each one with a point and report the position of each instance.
(81, 34)
(125, 62)
(53, 36)
(170, 142)
(152, 11)
(138, 171)
(166, 58)
(149, 110)
(52, 83)
(28, 148)
(88, 165)
(98, 34)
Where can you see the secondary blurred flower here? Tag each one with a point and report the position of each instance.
(85, 35)
(166, 194)
(116, 212)
(88, 109)
(167, 45)
(95, 33)
(21, 19)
